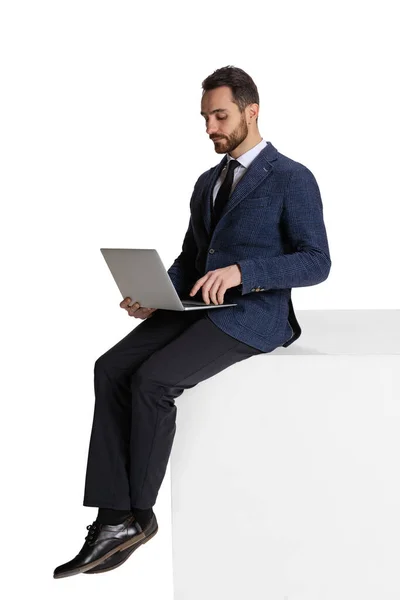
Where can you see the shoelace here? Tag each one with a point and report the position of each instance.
(93, 529)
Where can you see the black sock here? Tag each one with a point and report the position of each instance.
(111, 516)
(143, 515)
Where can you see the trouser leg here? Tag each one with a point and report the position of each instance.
(136, 383)
(199, 352)
(108, 462)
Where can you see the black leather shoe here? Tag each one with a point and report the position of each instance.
(118, 558)
(102, 541)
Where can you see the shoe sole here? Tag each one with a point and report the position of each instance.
(121, 562)
(140, 538)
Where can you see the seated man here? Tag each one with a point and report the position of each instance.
(256, 230)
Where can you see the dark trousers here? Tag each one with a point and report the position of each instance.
(136, 383)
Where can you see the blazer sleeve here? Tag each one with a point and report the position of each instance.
(303, 226)
(182, 271)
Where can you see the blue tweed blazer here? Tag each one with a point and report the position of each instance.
(272, 226)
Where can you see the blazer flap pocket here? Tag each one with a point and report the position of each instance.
(256, 202)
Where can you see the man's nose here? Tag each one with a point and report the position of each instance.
(211, 130)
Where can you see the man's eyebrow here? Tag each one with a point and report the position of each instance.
(214, 111)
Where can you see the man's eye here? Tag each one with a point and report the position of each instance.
(218, 119)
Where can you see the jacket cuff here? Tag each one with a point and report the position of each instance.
(248, 284)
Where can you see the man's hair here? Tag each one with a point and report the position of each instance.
(244, 90)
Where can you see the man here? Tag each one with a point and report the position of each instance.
(256, 230)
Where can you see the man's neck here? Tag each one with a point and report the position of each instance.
(245, 146)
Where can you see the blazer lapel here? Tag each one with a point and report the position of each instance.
(258, 170)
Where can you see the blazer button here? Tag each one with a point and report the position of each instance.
(211, 251)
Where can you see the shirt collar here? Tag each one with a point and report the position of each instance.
(246, 158)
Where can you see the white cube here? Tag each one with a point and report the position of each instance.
(285, 469)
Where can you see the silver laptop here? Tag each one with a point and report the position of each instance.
(141, 276)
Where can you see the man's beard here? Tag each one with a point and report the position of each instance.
(235, 139)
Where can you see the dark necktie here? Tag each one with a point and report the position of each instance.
(224, 191)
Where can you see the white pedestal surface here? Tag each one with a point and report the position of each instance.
(285, 469)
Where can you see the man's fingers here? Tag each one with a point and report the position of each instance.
(199, 283)
(125, 302)
(140, 313)
(137, 312)
(133, 306)
(210, 294)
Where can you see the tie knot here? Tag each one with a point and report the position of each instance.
(233, 164)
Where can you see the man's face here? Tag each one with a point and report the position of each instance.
(227, 127)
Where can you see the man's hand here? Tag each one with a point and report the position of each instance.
(215, 283)
(137, 311)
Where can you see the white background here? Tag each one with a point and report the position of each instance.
(101, 144)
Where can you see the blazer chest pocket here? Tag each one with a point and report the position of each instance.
(259, 202)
